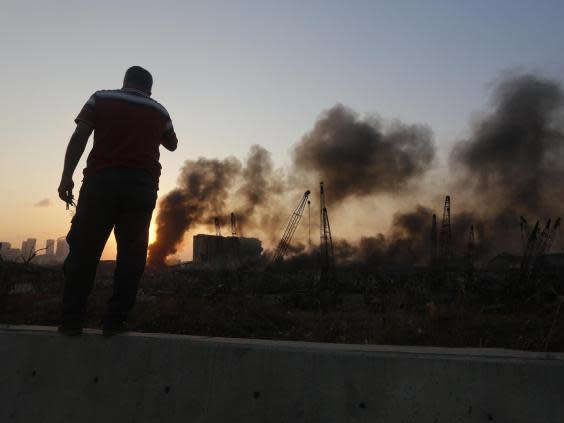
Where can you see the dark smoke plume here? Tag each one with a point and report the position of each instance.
(359, 158)
(516, 153)
(407, 242)
(511, 164)
(202, 189)
(260, 183)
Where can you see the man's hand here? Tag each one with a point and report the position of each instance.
(76, 147)
(65, 190)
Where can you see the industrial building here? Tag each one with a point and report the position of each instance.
(230, 250)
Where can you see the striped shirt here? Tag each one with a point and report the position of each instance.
(129, 127)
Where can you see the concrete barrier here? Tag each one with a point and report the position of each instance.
(45, 377)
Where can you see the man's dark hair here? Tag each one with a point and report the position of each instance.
(137, 77)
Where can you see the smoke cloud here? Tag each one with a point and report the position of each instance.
(202, 189)
(357, 157)
(512, 163)
(514, 158)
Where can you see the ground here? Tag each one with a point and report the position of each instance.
(373, 306)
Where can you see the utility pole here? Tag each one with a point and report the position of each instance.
(446, 234)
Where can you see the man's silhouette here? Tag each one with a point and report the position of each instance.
(118, 192)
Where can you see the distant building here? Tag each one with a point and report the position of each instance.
(28, 248)
(62, 249)
(219, 250)
(50, 247)
(10, 254)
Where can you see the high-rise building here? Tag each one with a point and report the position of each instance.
(10, 254)
(62, 249)
(28, 248)
(5, 245)
(50, 247)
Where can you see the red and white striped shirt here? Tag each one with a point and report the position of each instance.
(129, 127)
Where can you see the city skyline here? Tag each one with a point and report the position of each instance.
(32, 251)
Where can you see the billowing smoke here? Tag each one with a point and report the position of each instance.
(511, 164)
(214, 188)
(202, 189)
(407, 242)
(261, 182)
(366, 161)
(515, 155)
(357, 157)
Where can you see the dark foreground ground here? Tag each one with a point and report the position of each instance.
(375, 306)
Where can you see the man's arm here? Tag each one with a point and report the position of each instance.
(76, 147)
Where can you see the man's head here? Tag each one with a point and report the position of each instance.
(138, 78)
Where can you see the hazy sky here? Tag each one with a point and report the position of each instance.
(237, 73)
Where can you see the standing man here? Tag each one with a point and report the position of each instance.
(118, 192)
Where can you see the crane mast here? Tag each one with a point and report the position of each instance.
(217, 226)
(446, 234)
(326, 253)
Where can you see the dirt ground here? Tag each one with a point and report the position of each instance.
(371, 306)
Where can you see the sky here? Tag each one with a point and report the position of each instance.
(237, 73)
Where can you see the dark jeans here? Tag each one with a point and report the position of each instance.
(116, 198)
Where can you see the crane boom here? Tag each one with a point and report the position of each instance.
(295, 218)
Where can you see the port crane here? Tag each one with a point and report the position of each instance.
(293, 222)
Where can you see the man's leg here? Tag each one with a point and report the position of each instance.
(90, 228)
(132, 236)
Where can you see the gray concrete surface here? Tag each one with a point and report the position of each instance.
(45, 377)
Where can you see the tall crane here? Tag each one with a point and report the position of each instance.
(471, 245)
(326, 253)
(537, 247)
(309, 223)
(445, 239)
(217, 226)
(284, 243)
(543, 241)
(528, 254)
(560, 236)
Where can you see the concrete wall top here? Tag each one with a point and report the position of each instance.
(464, 353)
